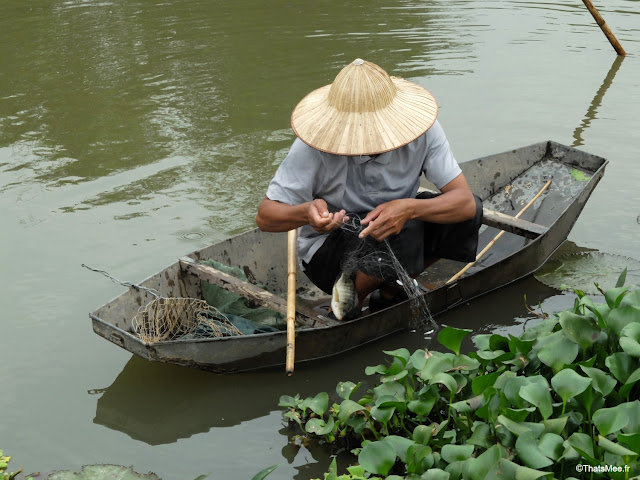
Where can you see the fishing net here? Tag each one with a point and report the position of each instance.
(175, 318)
(377, 259)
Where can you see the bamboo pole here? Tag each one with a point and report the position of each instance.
(291, 299)
(604, 27)
(497, 237)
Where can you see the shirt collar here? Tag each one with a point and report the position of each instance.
(361, 159)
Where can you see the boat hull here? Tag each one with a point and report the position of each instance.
(263, 258)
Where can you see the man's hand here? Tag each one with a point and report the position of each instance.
(321, 219)
(387, 219)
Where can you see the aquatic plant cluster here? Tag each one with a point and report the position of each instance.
(4, 463)
(559, 401)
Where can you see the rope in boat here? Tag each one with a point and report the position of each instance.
(175, 318)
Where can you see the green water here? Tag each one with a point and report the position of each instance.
(132, 133)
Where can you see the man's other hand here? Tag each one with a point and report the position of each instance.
(386, 219)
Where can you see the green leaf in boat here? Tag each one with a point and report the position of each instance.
(579, 175)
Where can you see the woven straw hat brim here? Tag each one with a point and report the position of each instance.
(323, 127)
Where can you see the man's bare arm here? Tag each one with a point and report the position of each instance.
(274, 216)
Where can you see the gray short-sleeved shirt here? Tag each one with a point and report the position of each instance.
(359, 184)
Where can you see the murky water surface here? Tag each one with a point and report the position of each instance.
(134, 132)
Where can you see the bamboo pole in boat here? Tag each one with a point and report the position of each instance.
(291, 300)
(497, 237)
(604, 27)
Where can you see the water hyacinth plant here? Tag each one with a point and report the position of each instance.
(551, 403)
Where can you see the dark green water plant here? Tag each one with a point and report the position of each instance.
(4, 463)
(559, 401)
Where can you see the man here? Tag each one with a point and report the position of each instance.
(363, 142)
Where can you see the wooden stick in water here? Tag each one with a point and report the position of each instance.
(492, 242)
(291, 300)
(604, 27)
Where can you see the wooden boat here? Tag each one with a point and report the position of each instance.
(505, 182)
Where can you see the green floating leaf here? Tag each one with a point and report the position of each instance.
(261, 475)
(630, 346)
(550, 444)
(392, 389)
(319, 427)
(633, 412)
(319, 404)
(479, 467)
(610, 420)
(615, 296)
(456, 453)
(480, 383)
(582, 270)
(512, 391)
(102, 472)
(422, 406)
(382, 414)
(601, 381)
(348, 408)
(621, 365)
(631, 298)
(567, 383)
(520, 428)
(530, 453)
(401, 354)
(481, 341)
(422, 434)
(555, 425)
(356, 470)
(622, 316)
(625, 390)
(630, 440)
(446, 380)
(435, 474)
(583, 444)
(452, 338)
(557, 350)
(579, 175)
(400, 444)
(581, 329)
(377, 457)
(481, 435)
(615, 448)
(437, 363)
(525, 473)
(289, 401)
(538, 395)
(346, 389)
(418, 359)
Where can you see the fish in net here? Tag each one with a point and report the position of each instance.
(175, 318)
(377, 259)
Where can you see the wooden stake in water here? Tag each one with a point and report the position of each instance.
(497, 237)
(604, 27)
(291, 300)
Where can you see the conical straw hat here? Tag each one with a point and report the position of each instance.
(364, 112)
